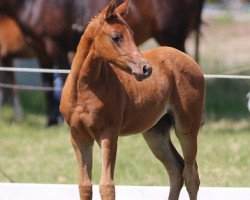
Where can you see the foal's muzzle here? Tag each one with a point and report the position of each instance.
(145, 72)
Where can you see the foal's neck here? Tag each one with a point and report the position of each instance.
(86, 65)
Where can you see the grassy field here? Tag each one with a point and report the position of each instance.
(31, 153)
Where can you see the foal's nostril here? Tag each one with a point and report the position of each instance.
(145, 70)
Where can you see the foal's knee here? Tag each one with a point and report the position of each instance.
(85, 191)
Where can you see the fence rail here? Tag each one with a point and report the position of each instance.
(34, 70)
(63, 71)
(224, 76)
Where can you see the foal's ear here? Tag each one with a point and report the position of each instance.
(123, 8)
(110, 9)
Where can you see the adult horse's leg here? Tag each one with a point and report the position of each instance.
(108, 144)
(11, 94)
(158, 140)
(1, 89)
(15, 99)
(56, 50)
(47, 81)
(197, 29)
(83, 146)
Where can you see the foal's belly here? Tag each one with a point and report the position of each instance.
(140, 120)
(139, 126)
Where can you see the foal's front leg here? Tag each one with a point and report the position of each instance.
(108, 144)
(83, 146)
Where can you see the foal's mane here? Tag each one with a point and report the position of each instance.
(115, 18)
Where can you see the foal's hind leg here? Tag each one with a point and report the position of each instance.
(188, 141)
(158, 140)
(83, 146)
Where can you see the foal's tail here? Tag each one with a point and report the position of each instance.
(169, 123)
(197, 29)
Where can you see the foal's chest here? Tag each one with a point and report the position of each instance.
(98, 107)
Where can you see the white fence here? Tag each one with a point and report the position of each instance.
(61, 71)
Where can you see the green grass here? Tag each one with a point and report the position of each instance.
(224, 153)
(32, 153)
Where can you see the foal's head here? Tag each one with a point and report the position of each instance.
(113, 41)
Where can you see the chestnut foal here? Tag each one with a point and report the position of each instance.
(114, 90)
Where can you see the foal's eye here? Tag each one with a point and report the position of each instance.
(116, 38)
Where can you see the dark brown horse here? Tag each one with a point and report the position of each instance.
(12, 44)
(47, 24)
(168, 21)
(52, 25)
(115, 90)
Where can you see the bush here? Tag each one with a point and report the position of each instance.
(227, 98)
